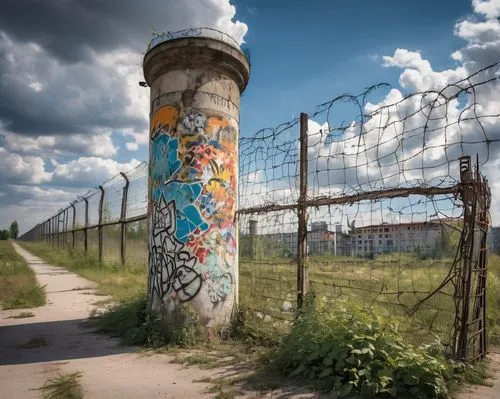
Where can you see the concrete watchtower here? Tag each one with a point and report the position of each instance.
(196, 78)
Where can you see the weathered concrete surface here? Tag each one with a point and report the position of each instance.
(109, 370)
(195, 86)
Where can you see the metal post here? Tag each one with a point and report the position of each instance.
(54, 231)
(302, 216)
(99, 227)
(73, 225)
(58, 229)
(85, 230)
(63, 229)
(49, 232)
(123, 225)
(464, 275)
(66, 227)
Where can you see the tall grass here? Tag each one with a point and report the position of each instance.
(19, 288)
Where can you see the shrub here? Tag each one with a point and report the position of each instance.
(345, 350)
(134, 324)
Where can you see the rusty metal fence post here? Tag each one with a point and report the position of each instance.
(73, 225)
(66, 222)
(86, 226)
(123, 224)
(58, 229)
(302, 216)
(469, 338)
(99, 226)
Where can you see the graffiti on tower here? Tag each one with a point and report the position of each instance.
(193, 186)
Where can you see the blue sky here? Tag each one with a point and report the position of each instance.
(304, 53)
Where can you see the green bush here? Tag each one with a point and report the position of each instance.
(131, 321)
(347, 350)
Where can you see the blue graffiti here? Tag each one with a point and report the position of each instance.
(164, 171)
(163, 164)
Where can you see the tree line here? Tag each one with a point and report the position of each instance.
(12, 232)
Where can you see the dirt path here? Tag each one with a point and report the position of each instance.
(59, 343)
(486, 392)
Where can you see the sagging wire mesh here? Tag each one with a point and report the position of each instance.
(384, 208)
(394, 256)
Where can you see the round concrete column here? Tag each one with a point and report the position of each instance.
(195, 84)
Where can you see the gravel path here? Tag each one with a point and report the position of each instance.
(59, 343)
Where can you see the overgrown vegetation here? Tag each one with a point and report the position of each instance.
(345, 349)
(63, 386)
(22, 315)
(493, 300)
(131, 321)
(19, 288)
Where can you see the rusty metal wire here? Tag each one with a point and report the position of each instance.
(384, 201)
(382, 206)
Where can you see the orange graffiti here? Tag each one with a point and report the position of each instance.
(214, 123)
(164, 116)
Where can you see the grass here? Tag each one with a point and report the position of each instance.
(22, 315)
(19, 288)
(63, 386)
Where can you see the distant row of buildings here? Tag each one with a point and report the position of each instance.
(417, 237)
(494, 240)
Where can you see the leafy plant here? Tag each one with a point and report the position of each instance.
(347, 350)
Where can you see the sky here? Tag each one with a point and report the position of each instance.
(72, 113)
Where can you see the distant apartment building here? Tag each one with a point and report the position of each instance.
(320, 241)
(494, 240)
(405, 237)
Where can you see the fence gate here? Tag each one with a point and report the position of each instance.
(471, 267)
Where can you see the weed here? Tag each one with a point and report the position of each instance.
(201, 359)
(22, 315)
(35, 342)
(222, 391)
(130, 322)
(63, 386)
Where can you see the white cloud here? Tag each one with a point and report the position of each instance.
(132, 146)
(489, 8)
(30, 205)
(76, 144)
(22, 169)
(88, 171)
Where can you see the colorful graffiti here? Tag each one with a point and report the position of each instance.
(193, 192)
(172, 267)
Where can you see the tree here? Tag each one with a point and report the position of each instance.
(4, 234)
(14, 229)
